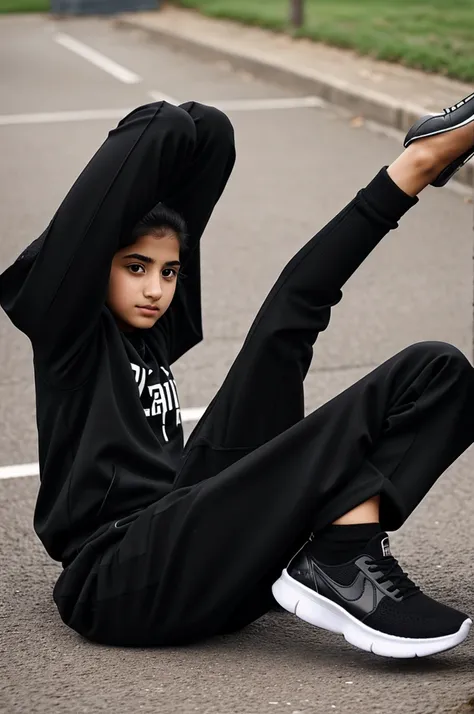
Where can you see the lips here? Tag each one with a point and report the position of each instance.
(148, 307)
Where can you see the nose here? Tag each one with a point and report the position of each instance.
(153, 290)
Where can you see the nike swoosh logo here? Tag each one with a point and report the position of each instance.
(359, 597)
(349, 592)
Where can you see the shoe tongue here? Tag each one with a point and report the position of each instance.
(378, 546)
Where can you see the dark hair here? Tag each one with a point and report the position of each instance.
(160, 221)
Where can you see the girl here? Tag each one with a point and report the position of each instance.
(164, 544)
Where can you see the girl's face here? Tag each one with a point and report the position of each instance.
(143, 274)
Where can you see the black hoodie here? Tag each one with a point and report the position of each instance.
(108, 417)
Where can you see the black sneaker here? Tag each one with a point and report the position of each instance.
(371, 602)
(450, 118)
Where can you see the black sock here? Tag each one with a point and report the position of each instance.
(339, 544)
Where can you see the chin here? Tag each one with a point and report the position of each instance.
(144, 324)
(135, 323)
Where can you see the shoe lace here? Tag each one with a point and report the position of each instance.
(389, 569)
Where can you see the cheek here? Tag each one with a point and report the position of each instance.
(168, 295)
(119, 287)
(172, 291)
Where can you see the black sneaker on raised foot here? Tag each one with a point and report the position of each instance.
(371, 602)
(449, 119)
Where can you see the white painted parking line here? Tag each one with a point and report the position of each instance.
(192, 414)
(97, 59)
(98, 114)
(19, 470)
(54, 117)
(32, 469)
(251, 105)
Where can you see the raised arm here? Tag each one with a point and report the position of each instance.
(55, 291)
(195, 199)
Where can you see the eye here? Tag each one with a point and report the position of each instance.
(135, 265)
(173, 272)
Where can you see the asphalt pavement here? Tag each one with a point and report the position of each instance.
(297, 166)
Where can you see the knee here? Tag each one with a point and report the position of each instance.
(161, 117)
(210, 123)
(434, 350)
(178, 120)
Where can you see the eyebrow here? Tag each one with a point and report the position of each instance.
(147, 259)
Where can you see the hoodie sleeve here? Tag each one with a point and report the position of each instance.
(56, 289)
(198, 194)
(182, 322)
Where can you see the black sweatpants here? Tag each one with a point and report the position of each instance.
(258, 476)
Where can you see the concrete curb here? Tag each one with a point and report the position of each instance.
(376, 106)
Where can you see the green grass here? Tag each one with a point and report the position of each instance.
(24, 5)
(433, 35)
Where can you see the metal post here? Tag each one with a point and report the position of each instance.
(296, 13)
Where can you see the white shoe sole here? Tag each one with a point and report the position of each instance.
(321, 612)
